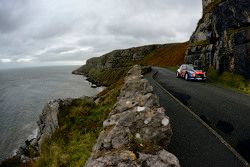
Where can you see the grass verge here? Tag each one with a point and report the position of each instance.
(229, 80)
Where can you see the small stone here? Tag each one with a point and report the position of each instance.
(168, 158)
(138, 136)
(165, 121)
(147, 121)
(161, 110)
(128, 102)
(141, 109)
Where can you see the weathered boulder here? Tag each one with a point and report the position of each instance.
(221, 39)
(137, 131)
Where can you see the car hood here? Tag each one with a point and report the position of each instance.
(197, 71)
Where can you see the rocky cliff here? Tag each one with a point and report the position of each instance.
(47, 124)
(137, 131)
(222, 37)
(110, 67)
(120, 58)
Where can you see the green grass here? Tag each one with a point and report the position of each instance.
(199, 43)
(80, 125)
(229, 80)
(107, 76)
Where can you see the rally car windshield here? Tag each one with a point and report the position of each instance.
(190, 68)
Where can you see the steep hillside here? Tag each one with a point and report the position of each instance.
(110, 67)
(222, 37)
(169, 56)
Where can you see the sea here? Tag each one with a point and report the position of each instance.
(24, 92)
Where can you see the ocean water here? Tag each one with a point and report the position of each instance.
(24, 92)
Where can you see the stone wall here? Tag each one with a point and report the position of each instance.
(137, 131)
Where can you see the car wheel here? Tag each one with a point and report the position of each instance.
(177, 74)
(186, 77)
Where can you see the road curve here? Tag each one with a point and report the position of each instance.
(193, 142)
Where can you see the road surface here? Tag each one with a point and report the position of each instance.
(225, 111)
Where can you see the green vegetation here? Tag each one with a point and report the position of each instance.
(199, 43)
(229, 80)
(107, 76)
(80, 124)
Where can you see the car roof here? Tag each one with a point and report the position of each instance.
(188, 65)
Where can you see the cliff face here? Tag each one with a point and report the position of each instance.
(137, 131)
(47, 124)
(122, 58)
(110, 67)
(222, 37)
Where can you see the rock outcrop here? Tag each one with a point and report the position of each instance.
(222, 37)
(48, 121)
(47, 124)
(137, 131)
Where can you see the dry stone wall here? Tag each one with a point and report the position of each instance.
(137, 131)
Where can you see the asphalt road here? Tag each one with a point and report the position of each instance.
(225, 111)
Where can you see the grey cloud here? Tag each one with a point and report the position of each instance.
(77, 56)
(44, 29)
(13, 14)
(52, 29)
(59, 50)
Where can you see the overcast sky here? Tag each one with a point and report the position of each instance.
(64, 32)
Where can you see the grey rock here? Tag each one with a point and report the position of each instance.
(47, 125)
(137, 131)
(161, 159)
